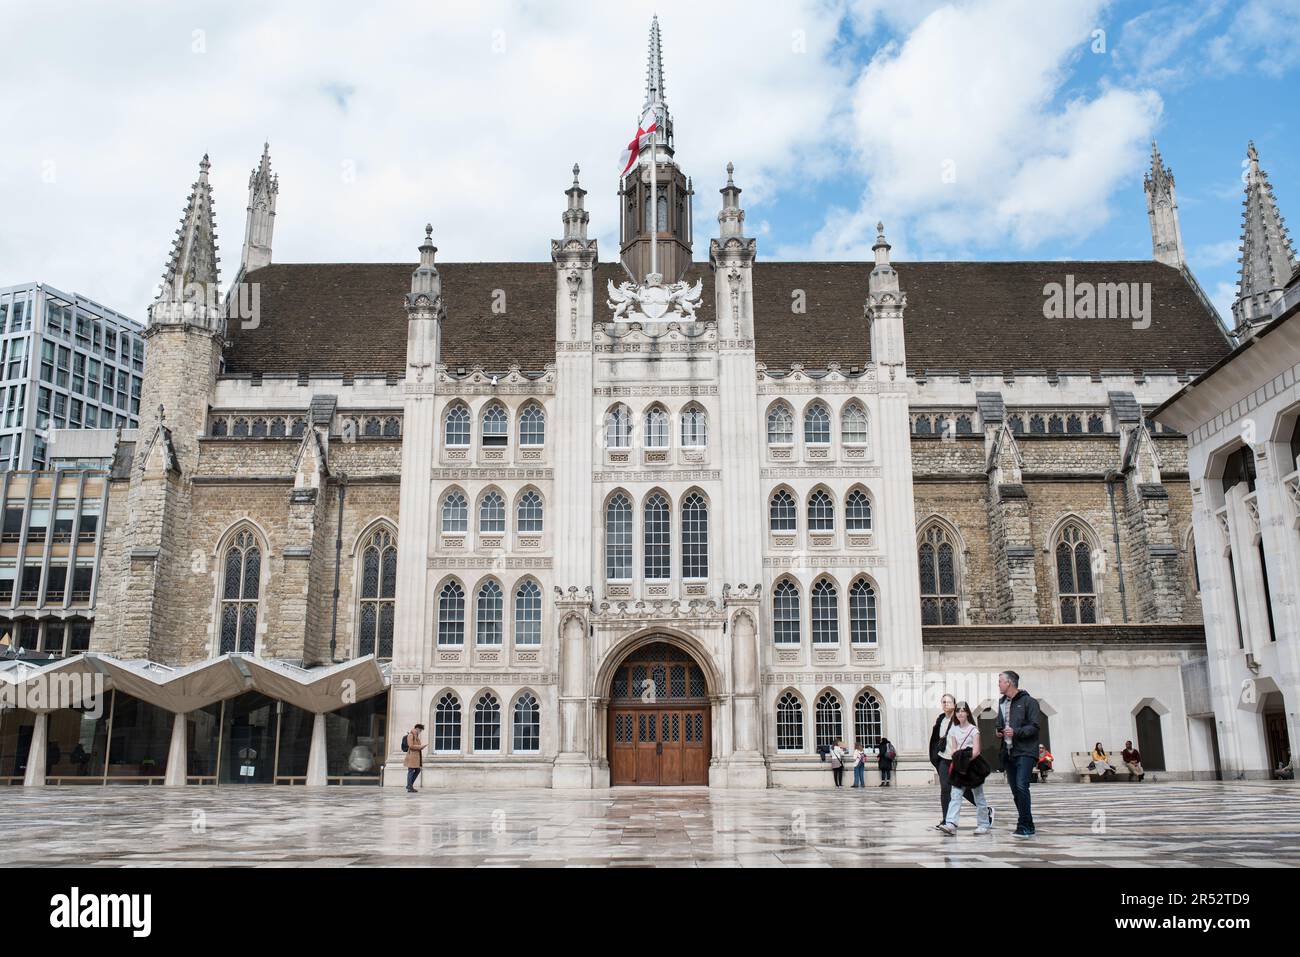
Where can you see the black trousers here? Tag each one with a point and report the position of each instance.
(838, 774)
(945, 785)
(411, 775)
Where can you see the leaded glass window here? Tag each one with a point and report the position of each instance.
(789, 723)
(868, 727)
(527, 724)
(862, 613)
(964, 425)
(921, 425)
(488, 614)
(780, 426)
(451, 614)
(695, 537)
(816, 425)
(857, 511)
(784, 515)
(378, 588)
(492, 513)
(529, 512)
(1078, 600)
(456, 429)
(496, 426)
(830, 723)
(825, 613)
(656, 428)
(658, 538)
(487, 723)
(938, 570)
(785, 613)
(446, 724)
(821, 512)
(618, 539)
(528, 613)
(532, 425)
(853, 424)
(695, 426)
(240, 592)
(455, 513)
(618, 427)
(1096, 423)
(1073, 423)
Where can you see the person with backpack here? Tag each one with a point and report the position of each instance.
(885, 757)
(414, 748)
(837, 762)
(967, 773)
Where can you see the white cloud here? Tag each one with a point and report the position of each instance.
(1264, 34)
(968, 138)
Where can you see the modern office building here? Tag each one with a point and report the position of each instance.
(65, 362)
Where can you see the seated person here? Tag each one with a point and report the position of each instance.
(1132, 759)
(1101, 762)
(1285, 770)
(1044, 763)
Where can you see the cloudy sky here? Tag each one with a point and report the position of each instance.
(984, 129)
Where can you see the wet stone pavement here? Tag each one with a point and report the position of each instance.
(1249, 824)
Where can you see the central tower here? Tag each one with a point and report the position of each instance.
(665, 215)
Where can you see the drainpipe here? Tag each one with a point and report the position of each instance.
(338, 565)
(1111, 478)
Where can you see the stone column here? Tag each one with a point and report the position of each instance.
(177, 753)
(317, 759)
(573, 764)
(36, 752)
(746, 768)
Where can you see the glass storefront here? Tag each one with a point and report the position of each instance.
(295, 745)
(15, 736)
(77, 749)
(357, 741)
(248, 740)
(139, 742)
(202, 744)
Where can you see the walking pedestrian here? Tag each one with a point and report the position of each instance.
(1017, 728)
(414, 749)
(968, 772)
(940, 756)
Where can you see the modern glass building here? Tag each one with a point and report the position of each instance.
(65, 362)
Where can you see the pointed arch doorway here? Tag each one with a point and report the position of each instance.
(659, 722)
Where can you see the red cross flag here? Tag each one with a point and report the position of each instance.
(633, 149)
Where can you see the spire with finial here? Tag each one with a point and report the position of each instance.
(1162, 212)
(575, 216)
(263, 189)
(654, 91)
(1267, 255)
(192, 276)
(731, 219)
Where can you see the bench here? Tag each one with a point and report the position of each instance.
(1081, 760)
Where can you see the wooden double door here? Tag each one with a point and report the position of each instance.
(658, 745)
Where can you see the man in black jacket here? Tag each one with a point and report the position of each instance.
(1018, 719)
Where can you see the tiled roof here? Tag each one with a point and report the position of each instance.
(960, 316)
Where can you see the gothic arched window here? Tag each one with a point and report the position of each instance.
(527, 724)
(938, 570)
(695, 428)
(528, 613)
(964, 425)
(1096, 423)
(780, 426)
(618, 539)
(487, 723)
(783, 515)
(372, 427)
(240, 593)
(451, 614)
(857, 511)
(868, 728)
(378, 588)
(532, 425)
(618, 427)
(816, 425)
(278, 427)
(392, 427)
(1037, 425)
(785, 613)
(656, 428)
(853, 425)
(446, 724)
(528, 512)
(1074, 424)
(821, 512)
(825, 613)
(789, 723)
(862, 613)
(1017, 424)
(695, 537)
(492, 513)
(1075, 591)
(455, 513)
(488, 614)
(496, 426)
(658, 538)
(830, 724)
(455, 433)
(1056, 425)
(922, 426)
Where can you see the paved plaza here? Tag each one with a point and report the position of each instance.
(1253, 824)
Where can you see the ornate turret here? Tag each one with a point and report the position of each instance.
(1267, 256)
(425, 312)
(732, 255)
(884, 311)
(263, 188)
(668, 212)
(1162, 212)
(190, 287)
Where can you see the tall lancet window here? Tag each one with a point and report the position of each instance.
(1074, 577)
(378, 586)
(240, 592)
(938, 569)
(695, 537)
(618, 539)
